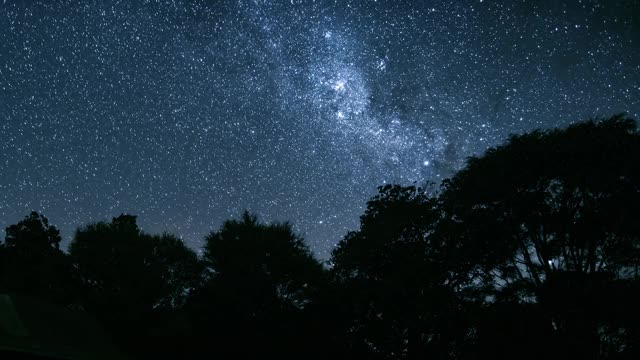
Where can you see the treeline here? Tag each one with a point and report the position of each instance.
(531, 251)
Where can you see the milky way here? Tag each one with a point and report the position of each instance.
(188, 112)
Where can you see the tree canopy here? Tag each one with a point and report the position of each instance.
(547, 219)
(32, 263)
(261, 278)
(530, 250)
(130, 279)
(553, 200)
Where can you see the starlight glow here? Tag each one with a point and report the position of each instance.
(187, 114)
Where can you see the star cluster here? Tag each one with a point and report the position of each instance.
(188, 112)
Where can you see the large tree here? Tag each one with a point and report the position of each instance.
(398, 282)
(33, 264)
(131, 279)
(262, 278)
(551, 218)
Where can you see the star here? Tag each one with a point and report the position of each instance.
(339, 86)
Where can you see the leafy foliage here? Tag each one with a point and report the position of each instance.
(262, 277)
(395, 277)
(546, 219)
(132, 278)
(32, 263)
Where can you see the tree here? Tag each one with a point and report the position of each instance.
(33, 232)
(262, 277)
(33, 263)
(133, 282)
(396, 278)
(553, 213)
(181, 269)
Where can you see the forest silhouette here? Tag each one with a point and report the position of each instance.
(530, 251)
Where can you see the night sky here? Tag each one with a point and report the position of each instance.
(185, 113)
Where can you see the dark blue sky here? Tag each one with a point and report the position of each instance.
(188, 112)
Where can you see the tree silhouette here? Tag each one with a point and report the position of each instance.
(548, 217)
(262, 277)
(132, 281)
(531, 250)
(33, 232)
(396, 278)
(32, 263)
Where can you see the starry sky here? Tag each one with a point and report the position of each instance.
(185, 113)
